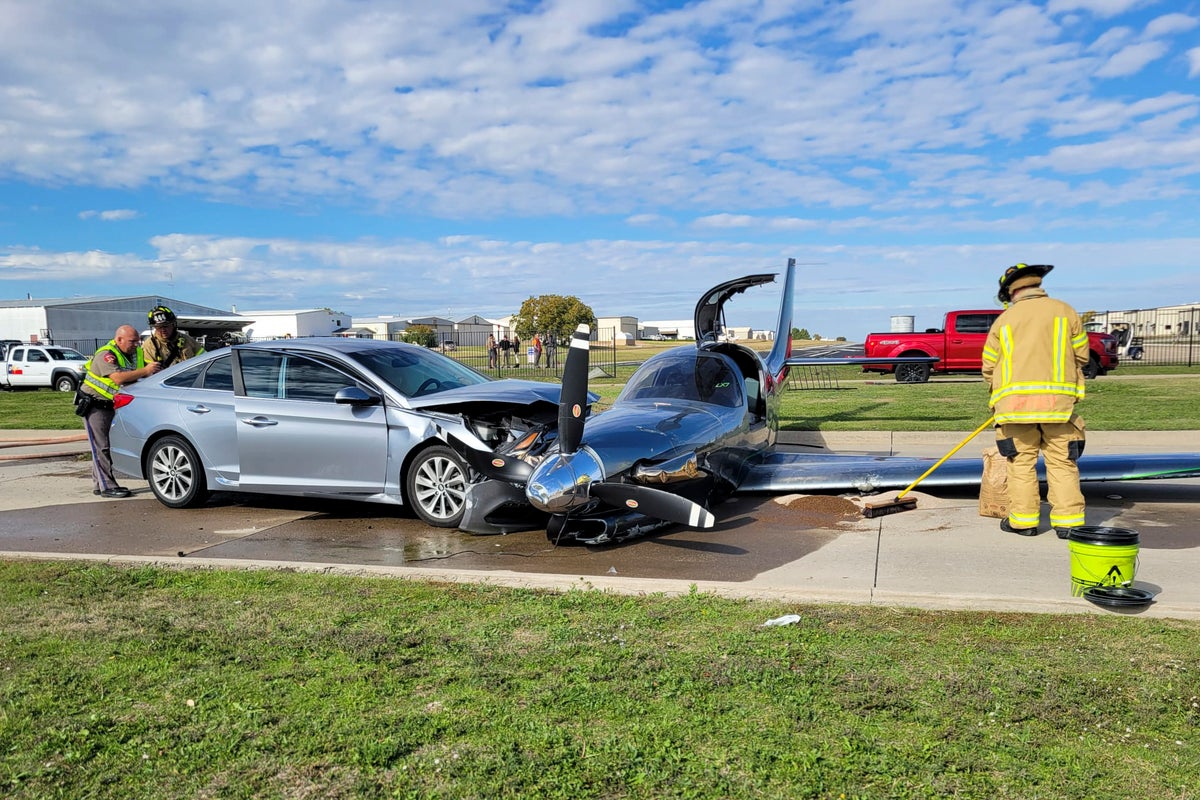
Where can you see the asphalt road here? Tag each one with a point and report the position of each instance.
(814, 548)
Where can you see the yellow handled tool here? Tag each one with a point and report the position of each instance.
(899, 503)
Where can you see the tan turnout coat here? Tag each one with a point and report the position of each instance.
(1033, 360)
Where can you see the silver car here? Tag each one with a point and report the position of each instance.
(356, 419)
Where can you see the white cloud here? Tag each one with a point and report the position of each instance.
(1131, 59)
(115, 215)
(1169, 24)
(1101, 8)
(466, 113)
(726, 221)
(432, 148)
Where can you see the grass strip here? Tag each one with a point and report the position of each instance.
(148, 683)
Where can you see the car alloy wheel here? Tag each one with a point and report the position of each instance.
(175, 473)
(437, 486)
(912, 373)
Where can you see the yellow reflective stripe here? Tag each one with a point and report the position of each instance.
(1006, 348)
(1030, 417)
(1024, 520)
(1035, 387)
(1022, 390)
(1061, 332)
(990, 355)
(1080, 342)
(1066, 521)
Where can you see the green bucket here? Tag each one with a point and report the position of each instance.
(1101, 557)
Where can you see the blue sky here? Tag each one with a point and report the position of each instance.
(456, 158)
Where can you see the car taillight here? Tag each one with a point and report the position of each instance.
(120, 400)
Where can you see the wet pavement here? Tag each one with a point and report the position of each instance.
(797, 548)
(755, 535)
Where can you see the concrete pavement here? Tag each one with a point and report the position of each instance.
(799, 549)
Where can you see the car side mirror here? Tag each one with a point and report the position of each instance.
(357, 396)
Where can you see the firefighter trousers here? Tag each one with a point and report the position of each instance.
(1061, 444)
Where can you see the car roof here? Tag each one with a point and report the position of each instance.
(333, 344)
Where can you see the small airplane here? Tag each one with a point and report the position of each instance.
(693, 425)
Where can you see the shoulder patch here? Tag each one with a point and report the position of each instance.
(109, 358)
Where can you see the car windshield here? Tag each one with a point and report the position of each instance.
(65, 354)
(416, 372)
(700, 377)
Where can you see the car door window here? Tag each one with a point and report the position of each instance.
(290, 377)
(261, 372)
(37, 355)
(18, 355)
(219, 375)
(974, 323)
(308, 380)
(186, 377)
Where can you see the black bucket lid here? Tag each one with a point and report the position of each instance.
(1096, 534)
(1118, 596)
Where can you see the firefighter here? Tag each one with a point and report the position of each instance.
(167, 345)
(114, 365)
(1033, 360)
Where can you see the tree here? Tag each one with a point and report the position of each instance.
(553, 314)
(419, 334)
(801, 333)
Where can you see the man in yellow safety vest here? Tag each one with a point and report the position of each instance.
(115, 364)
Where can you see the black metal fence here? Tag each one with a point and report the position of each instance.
(1155, 336)
(468, 347)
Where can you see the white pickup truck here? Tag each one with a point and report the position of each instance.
(31, 366)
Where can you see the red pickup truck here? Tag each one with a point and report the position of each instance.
(958, 346)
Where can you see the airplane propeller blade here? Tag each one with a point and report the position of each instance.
(654, 503)
(498, 467)
(573, 400)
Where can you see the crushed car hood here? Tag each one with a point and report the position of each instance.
(506, 392)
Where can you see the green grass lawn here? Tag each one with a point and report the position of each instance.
(147, 683)
(1167, 399)
(150, 683)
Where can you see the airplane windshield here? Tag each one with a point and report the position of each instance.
(702, 377)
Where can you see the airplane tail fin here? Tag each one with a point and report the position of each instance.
(782, 349)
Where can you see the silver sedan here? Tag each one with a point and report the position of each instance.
(357, 419)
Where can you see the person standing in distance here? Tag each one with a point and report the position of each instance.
(166, 344)
(1033, 361)
(114, 365)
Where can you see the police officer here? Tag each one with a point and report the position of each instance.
(117, 363)
(167, 345)
(1033, 360)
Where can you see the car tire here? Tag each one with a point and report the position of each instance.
(1092, 368)
(912, 373)
(65, 383)
(436, 486)
(175, 473)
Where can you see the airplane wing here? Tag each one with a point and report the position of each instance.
(781, 472)
(853, 361)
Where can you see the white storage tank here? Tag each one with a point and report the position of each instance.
(902, 324)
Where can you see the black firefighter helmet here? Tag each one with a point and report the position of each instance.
(1015, 273)
(160, 315)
